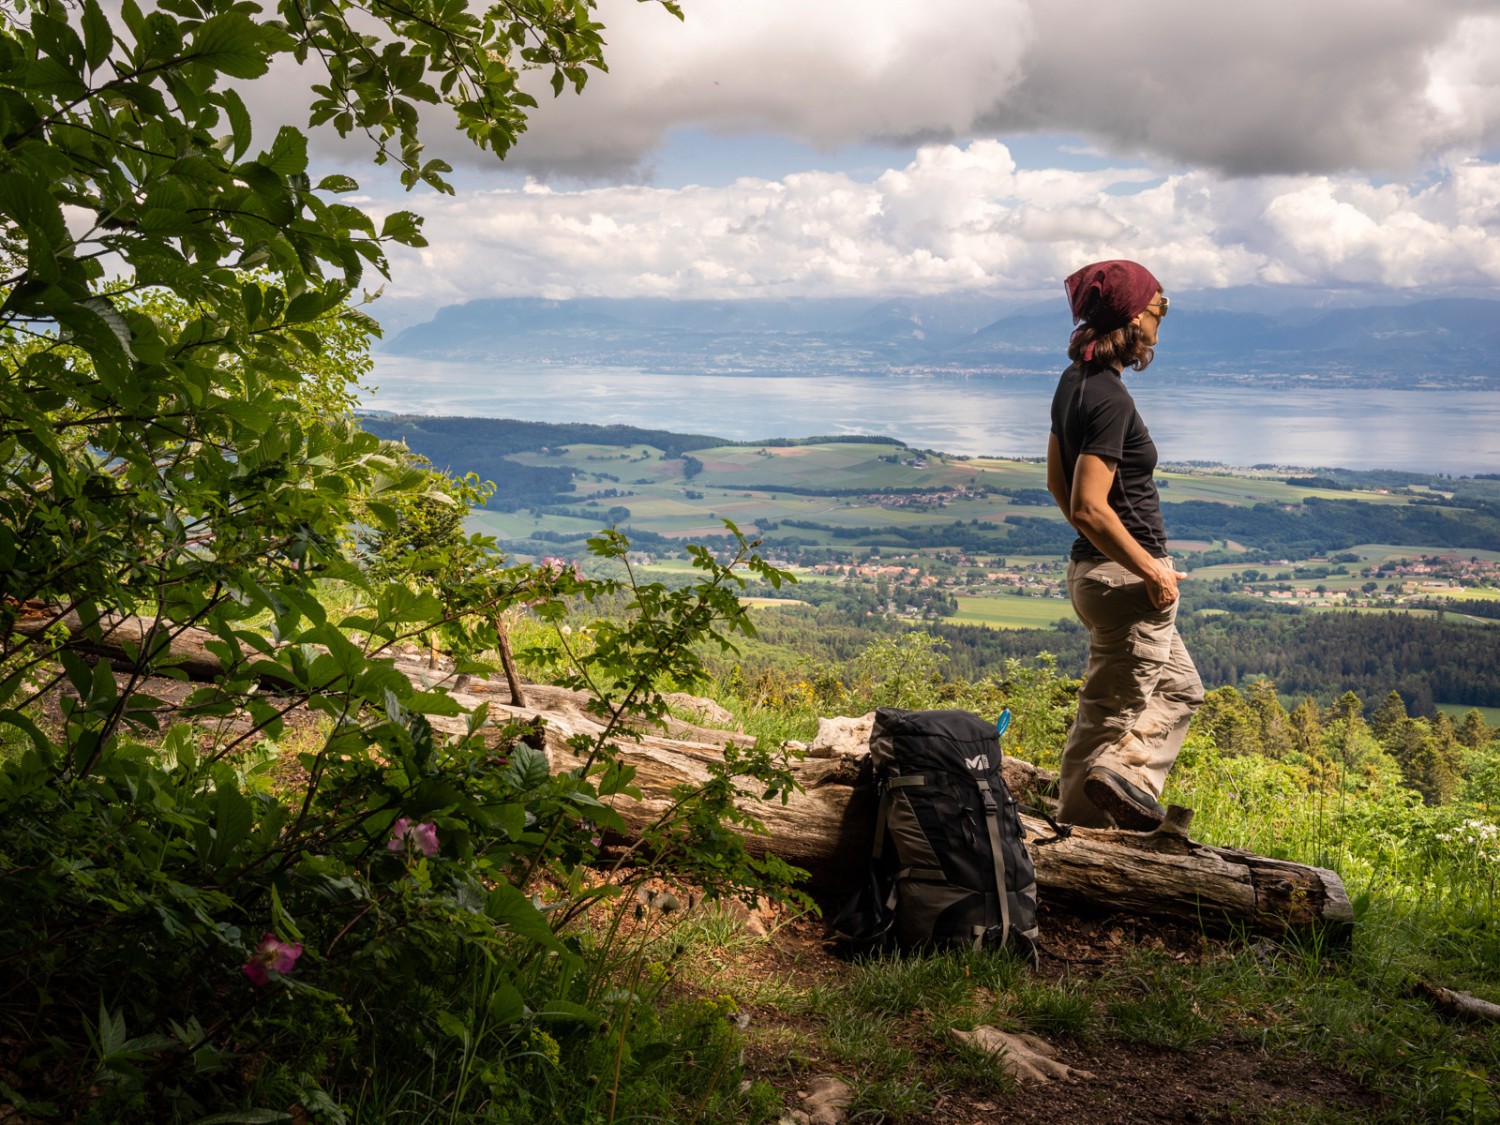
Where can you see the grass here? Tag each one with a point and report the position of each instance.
(749, 483)
(1008, 611)
(1459, 710)
(884, 1026)
(1466, 593)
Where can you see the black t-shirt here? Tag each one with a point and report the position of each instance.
(1092, 412)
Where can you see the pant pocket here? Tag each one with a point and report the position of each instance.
(1151, 648)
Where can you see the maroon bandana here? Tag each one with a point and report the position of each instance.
(1109, 295)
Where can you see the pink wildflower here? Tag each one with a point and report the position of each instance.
(424, 836)
(272, 955)
(426, 839)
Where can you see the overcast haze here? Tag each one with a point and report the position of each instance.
(832, 147)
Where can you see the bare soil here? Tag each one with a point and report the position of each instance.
(1230, 1079)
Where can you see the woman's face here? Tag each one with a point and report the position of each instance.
(1149, 320)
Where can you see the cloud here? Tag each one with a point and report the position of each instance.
(1281, 87)
(1286, 86)
(957, 217)
(830, 73)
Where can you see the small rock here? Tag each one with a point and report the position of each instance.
(706, 710)
(1024, 1057)
(842, 737)
(755, 922)
(827, 1101)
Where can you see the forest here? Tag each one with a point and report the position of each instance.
(1323, 526)
(1323, 655)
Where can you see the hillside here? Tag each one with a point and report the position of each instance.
(883, 536)
(1430, 343)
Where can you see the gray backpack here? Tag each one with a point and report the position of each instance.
(950, 868)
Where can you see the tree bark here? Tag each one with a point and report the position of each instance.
(120, 639)
(508, 663)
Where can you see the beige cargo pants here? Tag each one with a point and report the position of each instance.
(1138, 692)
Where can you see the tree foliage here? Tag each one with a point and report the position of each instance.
(205, 908)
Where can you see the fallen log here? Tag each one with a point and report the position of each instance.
(826, 827)
(826, 830)
(118, 639)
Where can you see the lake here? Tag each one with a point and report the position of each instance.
(1424, 430)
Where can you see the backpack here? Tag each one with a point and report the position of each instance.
(949, 867)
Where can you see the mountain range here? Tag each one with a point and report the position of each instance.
(1448, 342)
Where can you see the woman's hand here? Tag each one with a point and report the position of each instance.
(1161, 583)
(1091, 514)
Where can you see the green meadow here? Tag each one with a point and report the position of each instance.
(1009, 611)
(839, 485)
(1459, 710)
(844, 497)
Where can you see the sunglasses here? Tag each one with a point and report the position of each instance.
(1159, 309)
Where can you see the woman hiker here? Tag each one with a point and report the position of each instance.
(1140, 687)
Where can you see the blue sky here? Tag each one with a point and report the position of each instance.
(833, 147)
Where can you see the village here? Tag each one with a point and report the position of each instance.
(1340, 581)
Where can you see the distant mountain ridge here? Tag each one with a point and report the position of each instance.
(1445, 342)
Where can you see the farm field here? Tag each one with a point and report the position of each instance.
(1467, 593)
(841, 488)
(1378, 553)
(1245, 491)
(891, 537)
(1459, 710)
(1009, 611)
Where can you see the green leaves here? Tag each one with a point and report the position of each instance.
(527, 768)
(233, 819)
(229, 43)
(404, 227)
(239, 123)
(506, 906)
(288, 153)
(177, 453)
(338, 183)
(98, 37)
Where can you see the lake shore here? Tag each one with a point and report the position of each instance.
(1425, 430)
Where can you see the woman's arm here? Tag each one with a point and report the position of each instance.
(1057, 479)
(1090, 513)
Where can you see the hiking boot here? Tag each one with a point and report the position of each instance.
(1130, 805)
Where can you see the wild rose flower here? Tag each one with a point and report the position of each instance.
(558, 567)
(272, 955)
(426, 839)
(423, 836)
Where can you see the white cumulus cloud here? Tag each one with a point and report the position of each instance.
(958, 217)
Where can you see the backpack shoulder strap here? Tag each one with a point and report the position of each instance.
(886, 797)
(992, 820)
